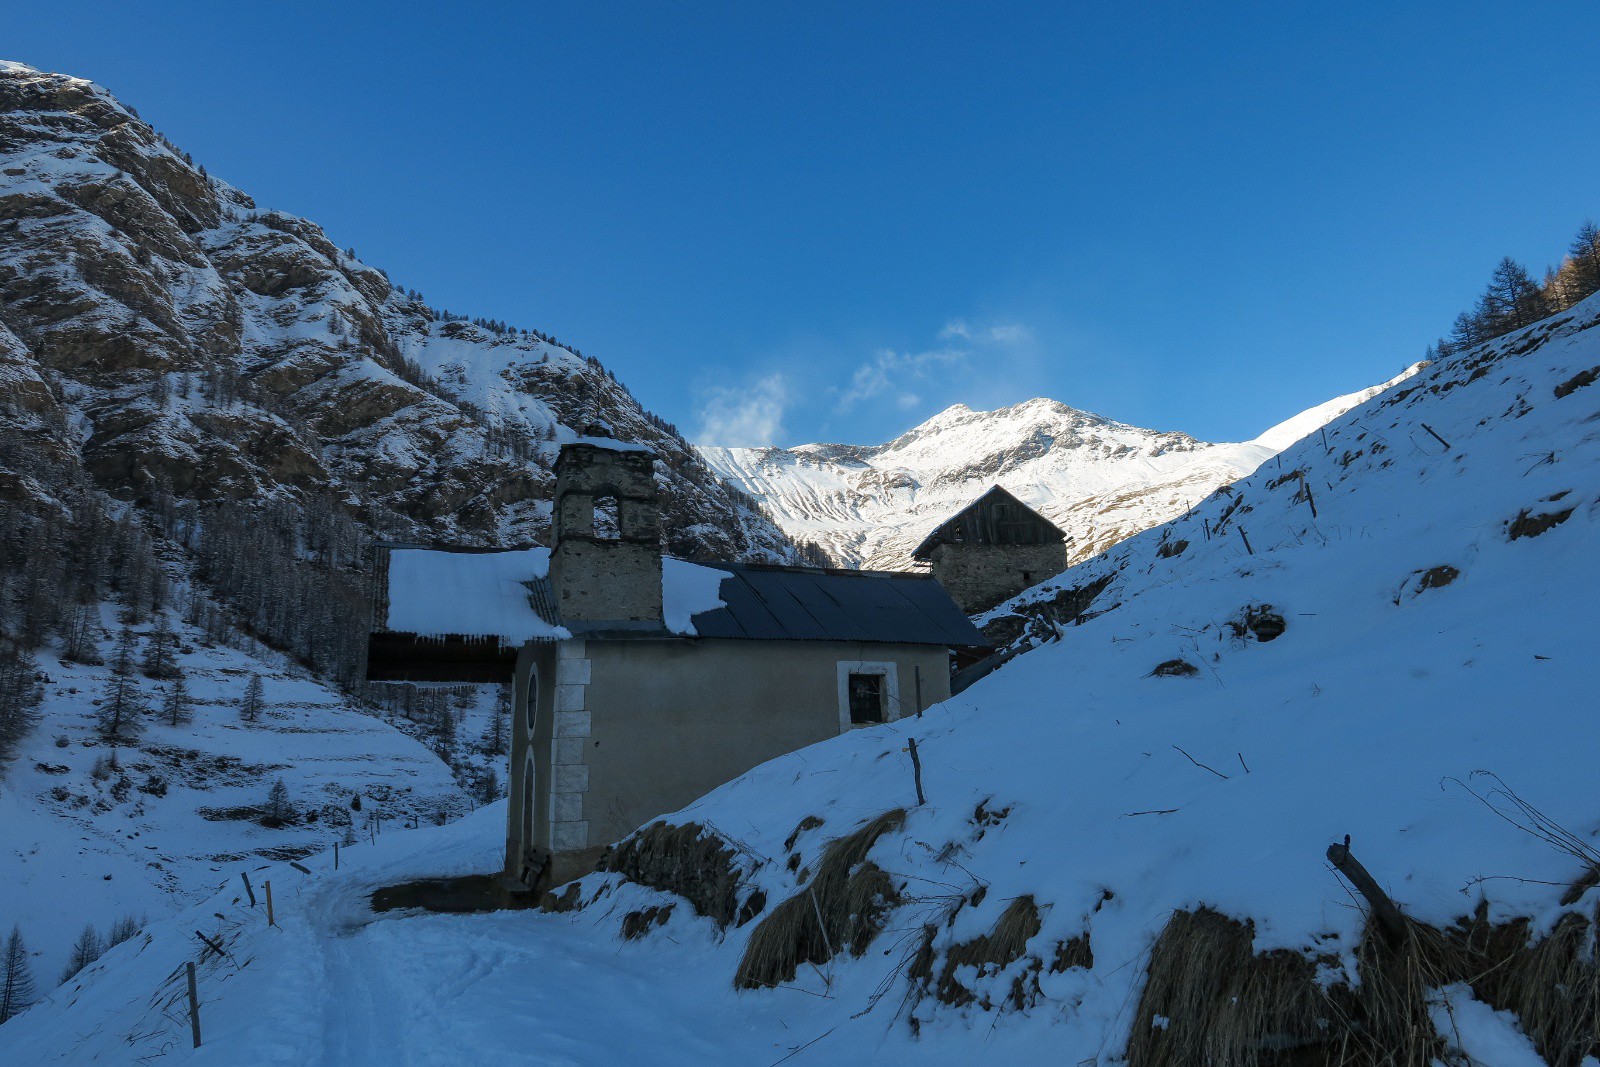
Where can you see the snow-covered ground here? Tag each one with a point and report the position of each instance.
(1099, 480)
(1110, 794)
(182, 813)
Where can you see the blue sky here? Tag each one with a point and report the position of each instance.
(790, 222)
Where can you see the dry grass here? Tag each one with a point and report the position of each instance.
(690, 861)
(991, 953)
(1209, 998)
(1553, 985)
(843, 907)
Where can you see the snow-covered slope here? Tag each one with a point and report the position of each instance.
(1100, 480)
(1337, 647)
(86, 843)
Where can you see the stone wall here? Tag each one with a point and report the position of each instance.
(979, 576)
(599, 574)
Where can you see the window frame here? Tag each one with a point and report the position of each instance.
(886, 669)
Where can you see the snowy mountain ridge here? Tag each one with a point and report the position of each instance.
(1099, 480)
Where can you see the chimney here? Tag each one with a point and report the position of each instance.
(605, 563)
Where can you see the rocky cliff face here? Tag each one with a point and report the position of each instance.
(165, 337)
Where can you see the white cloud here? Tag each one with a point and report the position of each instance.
(968, 363)
(1010, 334)
(751, 416)
(896, 375)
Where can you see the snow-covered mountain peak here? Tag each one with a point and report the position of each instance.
(1099, 479)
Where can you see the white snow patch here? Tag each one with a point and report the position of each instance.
(1487, 1037)
(687, 589)
(437, 592)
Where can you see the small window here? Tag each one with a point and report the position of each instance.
(607, 519)
(866, 698)
(533, 700)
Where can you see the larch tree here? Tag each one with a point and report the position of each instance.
(20, 694)
(494, 737)
(123, 930)
(254, 699)
(176, 707)
(1514, 297)
(1583, 263)
(120, 717)
(16, 977)
(85, 951)
(158, 658)
(279, 808)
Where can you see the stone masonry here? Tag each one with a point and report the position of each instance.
(600, 574)
(979, 576)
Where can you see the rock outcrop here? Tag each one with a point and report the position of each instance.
(164, 336)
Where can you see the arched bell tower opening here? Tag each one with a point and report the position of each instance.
(605, 562)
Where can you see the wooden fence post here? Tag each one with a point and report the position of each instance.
(270, 920)
(194, 1007)
(246, 876)
(1384, 909)
(916, 769)
(1246, 540)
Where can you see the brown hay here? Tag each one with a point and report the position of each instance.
(843, 907)
(1210, 999)
(687, 860)
(810, 822)
(1553, 985)
(1527, 524)
(991, 953)
(1226, 1006)
(569, 900)
(636, 924)
(1073, 952)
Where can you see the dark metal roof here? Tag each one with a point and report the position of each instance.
(802, 604)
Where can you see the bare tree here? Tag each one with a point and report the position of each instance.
(279, 808)
(16, 977)
(254, 698)
(176, 707)
(158, 658)
(120, 716)
(85, 951)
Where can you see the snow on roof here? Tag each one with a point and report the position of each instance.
(611, 444)
(436, 592)
(687, 590)
(433, 592)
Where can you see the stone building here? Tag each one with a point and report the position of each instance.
(640, 681)
(993, 549)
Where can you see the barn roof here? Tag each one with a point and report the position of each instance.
(977, 524)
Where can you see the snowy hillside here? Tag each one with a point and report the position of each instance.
(86, 842)
(1100, 481)
(1122, 857)
(178, 339)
